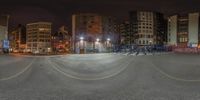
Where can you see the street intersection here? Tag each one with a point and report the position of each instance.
(100, 77)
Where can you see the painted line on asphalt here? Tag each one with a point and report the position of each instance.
(66, 60)
(17, 74)
(55, 66)
(63, 55)
(35, 56)
(172, 77)
(84, 58)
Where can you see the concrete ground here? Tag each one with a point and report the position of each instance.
(100, 77)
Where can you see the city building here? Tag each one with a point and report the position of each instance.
(126, 33)
(184, 30)
(61, 41)
(149, 28)
(110, 32)
(38, 37)
(17, 39)
(4, 43)
(92, 33)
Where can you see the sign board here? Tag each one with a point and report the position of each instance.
(5, 44)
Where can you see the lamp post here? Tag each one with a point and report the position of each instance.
(150, 43)
(97, 40)
(107, 43)
(81, 38)
(97, 44)
(81, 44)
(151, 48)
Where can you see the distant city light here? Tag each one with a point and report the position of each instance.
(108, 39)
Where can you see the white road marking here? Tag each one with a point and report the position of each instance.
(17, 74)
(42, 56)
(55, 66)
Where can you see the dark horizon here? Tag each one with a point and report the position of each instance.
(59, 12)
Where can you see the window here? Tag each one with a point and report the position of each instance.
(183, 39)
(34, 45)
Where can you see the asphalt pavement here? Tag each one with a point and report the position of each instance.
(100, 77)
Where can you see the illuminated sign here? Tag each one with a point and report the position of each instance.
(5, 44)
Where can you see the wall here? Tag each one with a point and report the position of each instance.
(193, 27)
(172, 30)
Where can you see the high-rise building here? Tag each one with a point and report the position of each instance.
(126, 33)
(184, 30)
(18, 39)
(109, 25)
(61, 41)
(38, 37)
(92, 33)
(148, 27)
(4, 44)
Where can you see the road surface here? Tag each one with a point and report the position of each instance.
(100, 77)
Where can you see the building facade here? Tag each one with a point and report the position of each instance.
(4, 44)
(111, 36)
(149, 28)
(61, 41)
(92, 33)
(184, 30)
(38, 37)
(17, 39)
(126, 33)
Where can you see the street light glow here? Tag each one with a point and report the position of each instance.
(97, 39)
(81, 38)
(108, 39)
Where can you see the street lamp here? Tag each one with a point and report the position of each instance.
(97, 40)
(96, 45)
(81, 38)
(108, 44)
(49, 50)
(81, 45)
(151, 47)
(150, 42)
(108, 39)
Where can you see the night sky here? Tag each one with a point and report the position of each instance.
(59, 11)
